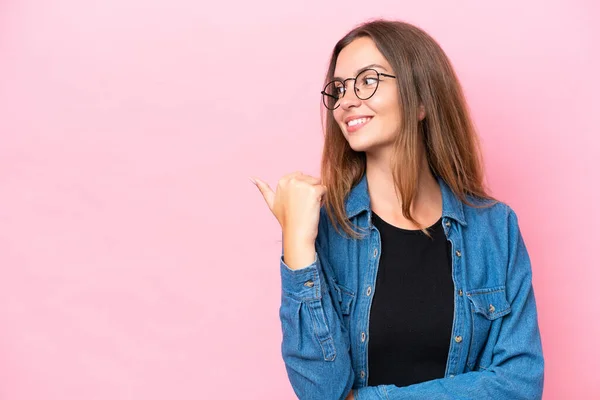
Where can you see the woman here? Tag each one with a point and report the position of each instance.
(401, 277)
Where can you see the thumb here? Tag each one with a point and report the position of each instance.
(266, 191)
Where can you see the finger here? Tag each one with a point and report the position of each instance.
(309, 179)
(266, 191)
(321, 190)
(291, 175)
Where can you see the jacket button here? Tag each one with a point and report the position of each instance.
(362, 374)
(369, 291)
(458, 339)
(309, 284)
(448, 223)
(458, 253)
(363, 337)
(374, 253)
(460, 292)
(492, 308)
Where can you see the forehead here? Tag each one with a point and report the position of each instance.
(358, 54)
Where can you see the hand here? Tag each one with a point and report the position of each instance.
(296, 204)
(350, 395)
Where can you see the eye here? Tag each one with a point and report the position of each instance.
(370, 80)
(339, 89)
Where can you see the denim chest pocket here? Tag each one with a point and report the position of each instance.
(345, 298)
(487, 305)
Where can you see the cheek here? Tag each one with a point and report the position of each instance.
(337, 116)
(385, 105)
(388, 112)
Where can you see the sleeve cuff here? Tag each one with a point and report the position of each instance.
(369, 392)
(304, 283)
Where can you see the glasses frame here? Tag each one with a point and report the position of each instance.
(343, 82)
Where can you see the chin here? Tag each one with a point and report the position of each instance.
(359, 145)
(369, 145)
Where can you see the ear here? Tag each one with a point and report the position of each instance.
(421, 112)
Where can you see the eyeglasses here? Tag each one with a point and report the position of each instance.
(365, 86)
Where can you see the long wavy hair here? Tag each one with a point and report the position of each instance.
(424, 77)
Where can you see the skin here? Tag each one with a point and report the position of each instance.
(297, 198)
(376, 139)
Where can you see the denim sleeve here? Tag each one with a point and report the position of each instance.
(517, 369)
(315, 345)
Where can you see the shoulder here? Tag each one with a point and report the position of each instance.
(494, 242)
(491, 225)
(489, 213)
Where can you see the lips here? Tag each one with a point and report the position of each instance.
(355, 123)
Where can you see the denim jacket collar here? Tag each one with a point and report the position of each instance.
(358, 200)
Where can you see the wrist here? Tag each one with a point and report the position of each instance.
(298, 254)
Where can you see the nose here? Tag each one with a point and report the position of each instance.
(349, 100)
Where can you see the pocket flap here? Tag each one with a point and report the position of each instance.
(345, 297)
(490, 302)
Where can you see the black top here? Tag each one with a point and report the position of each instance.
(413, 306)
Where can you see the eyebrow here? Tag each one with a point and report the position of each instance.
(362, 69)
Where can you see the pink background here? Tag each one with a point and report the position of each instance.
(137, 261)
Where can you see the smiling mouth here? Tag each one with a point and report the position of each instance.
(358, 123)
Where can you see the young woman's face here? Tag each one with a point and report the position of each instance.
(377, 119)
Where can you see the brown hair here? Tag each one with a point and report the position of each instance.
(424, 77)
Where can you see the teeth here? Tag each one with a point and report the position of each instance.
(358, 121)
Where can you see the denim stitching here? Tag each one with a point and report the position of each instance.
(385, 392)
(327, 336)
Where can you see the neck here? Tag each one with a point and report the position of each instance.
(426, 207)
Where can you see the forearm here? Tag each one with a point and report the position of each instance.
(495, 385)
(297, 252)
(315, 349)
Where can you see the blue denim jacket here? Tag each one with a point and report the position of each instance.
(495, 348)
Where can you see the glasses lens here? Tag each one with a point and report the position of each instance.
(332, 93)
(366, 84)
